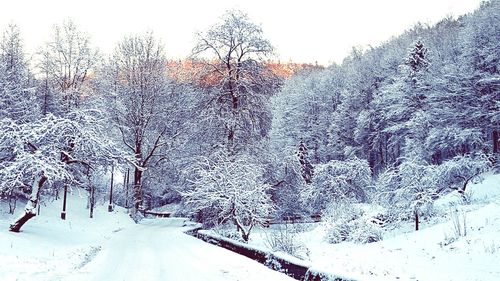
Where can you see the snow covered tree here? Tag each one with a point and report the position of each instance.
(141, 104)
(482, 59)
(306, 167)
(417, 60)
(232, 188)
(39, 153)
(301, 112)
(284, 172)
(351, 99)
(408, 190)
(236, 83)
(458, 172)
(406, 106)
(66, 61)
(17, 94)
(339, 181)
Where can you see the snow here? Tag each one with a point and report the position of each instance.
(112, 247)
(433, 253)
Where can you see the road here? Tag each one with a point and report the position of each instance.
(159, 250)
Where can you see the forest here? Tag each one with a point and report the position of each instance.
(237, 138)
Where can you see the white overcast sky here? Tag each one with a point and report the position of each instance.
(301, 30)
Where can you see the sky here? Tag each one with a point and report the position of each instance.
(304, 31)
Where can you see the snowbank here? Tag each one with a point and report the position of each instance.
(47, 247)
(436, 252)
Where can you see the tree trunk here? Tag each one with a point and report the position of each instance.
(126, 188)
(12, 203)
(137, 188)
(496, 144)
(245, 232)
(92, 201)
(245, 236)
(31, 206)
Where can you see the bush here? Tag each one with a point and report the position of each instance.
(228, 231)
(365, 232)
(285, 239)
(347, 222)
(339, 180)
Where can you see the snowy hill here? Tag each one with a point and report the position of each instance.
(436, 252)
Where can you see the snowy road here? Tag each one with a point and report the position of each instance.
(159, 250)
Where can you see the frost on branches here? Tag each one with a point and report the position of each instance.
(44, 150)
(231, 188)
(408, 190)
(411, 188)
(338, 181)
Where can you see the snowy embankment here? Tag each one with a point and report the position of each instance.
(436, 252)
(111, 247)
(47, 247)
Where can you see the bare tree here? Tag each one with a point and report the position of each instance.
(237, 81)
(137, 88)
(233, 188)
(66, 61)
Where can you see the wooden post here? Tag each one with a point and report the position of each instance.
(110, 206)
(63, 213)
(416, 220)
(92, 200)
(126, 188)
(92, 193)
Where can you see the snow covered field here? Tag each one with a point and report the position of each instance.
(112, 247)
(433, 253)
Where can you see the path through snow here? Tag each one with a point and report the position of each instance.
(159, 250)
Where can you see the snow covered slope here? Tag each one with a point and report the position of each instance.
(48, 247)
(436, 252)
(112, 247)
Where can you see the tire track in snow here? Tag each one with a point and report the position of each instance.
(159, 250)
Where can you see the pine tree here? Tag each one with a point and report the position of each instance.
(306, 167)
(406, 106)
(418, 58)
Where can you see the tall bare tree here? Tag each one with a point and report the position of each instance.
(66, 61)
(237, 81)
(140, 100)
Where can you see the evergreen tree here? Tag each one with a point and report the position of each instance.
(305, 166)
(406, 105)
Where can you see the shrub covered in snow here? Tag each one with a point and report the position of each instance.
(459, 171)
(348, 222)
(339, 180)
(410, 189)
(284, 239)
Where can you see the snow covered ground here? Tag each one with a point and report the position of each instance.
(112, 247)
(433, 253)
